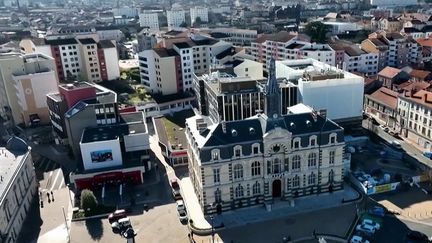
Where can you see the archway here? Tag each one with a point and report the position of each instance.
(277, 188)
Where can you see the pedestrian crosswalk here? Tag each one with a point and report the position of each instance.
(53, 178)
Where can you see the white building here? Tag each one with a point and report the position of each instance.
(342, 27)
(149, 19)
(237, 164)
(392, 3)
(357, 60)
(126, 11)
(199, 12)
(18, 187)
(238, 37)
(175, 18)
(337, 92)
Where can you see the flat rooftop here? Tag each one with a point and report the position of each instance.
(171, 129)
(129, 123)
(11, 158)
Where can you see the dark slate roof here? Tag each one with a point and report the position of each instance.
(242, 128)
(207, 41)
(104, 44)
(228, 52)
(240, 131)
(427, 28)
(164, 52)
(219, 35)
(184, 45)
(60, 42)
(16, 146)
(411, 30)
(234, 63)
(87, 41)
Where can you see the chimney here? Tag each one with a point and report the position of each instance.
(223, 124)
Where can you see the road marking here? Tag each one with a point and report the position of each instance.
(55, 180)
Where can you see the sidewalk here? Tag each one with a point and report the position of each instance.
(244, 216)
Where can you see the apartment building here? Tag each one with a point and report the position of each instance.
(238, 37)
(149, 19)
(415, 110)
(284, 45)
(191, 55)
(78, 58)
(24, 81)
(146, 40)
(235, 164)
(357, 60)
(175, 18)
(199, 12)
(18, 187)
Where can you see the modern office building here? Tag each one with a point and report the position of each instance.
(18, 187)
(235, 164)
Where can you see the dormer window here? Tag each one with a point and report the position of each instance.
(215, 155)
(332, 138)
(237, 152)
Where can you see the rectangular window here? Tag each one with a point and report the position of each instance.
(215, 156)
(331, 157)
(216, 175)
(237, 152)
(255, 150)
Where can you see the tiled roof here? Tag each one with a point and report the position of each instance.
(385, 96)
(420, 74)
(421, 97)
(425, 42)
(389, 72)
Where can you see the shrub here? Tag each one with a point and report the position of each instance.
(88, 201)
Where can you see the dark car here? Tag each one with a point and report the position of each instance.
(417, 236)
(115, 216)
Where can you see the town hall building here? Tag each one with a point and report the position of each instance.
(264, 158)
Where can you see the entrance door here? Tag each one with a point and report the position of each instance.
(277, 188)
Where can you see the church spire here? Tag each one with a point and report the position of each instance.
(272, 93)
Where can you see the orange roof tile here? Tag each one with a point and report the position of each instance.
(389, 72)
(385, 96)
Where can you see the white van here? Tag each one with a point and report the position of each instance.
(396, 144)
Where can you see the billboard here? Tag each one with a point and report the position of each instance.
(101, 156)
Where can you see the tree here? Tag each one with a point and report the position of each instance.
(183, 24)
(317, 31)
(88, 200)
(197, 22)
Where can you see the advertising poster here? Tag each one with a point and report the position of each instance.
(101, 156)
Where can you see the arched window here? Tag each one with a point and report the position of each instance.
(239, 192)
(312, 160)
(256, 188)
(256, 168)
(296, 162)
(312, 179)
(238, 171)
(276, 166)
(218, 195)
(296, 181)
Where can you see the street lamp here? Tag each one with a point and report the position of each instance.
(212, 228)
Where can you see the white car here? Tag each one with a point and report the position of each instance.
(358, 239)
(182, 215)
(180, 205)
(370, 222)
(366, 228)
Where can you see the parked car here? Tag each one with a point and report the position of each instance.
(116, 215)
(372, 223)
(428, 155)
(384, 128)
(377, 211)
(395, 144)
(358, 239)
(366, 229)
(180, 205)
(121, 225)
(175, 187)
(182, 215)
(417, 236)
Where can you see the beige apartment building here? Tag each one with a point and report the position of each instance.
(24, 82)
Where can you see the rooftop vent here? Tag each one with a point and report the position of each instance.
(292, 125)
(308, 123)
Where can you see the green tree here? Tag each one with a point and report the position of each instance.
(197, 22)
(88, 201)
(317, 31)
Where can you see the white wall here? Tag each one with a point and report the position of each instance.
(249, 69)
(342, 98)
(112, 63)
(113, 145)
(150, 69)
